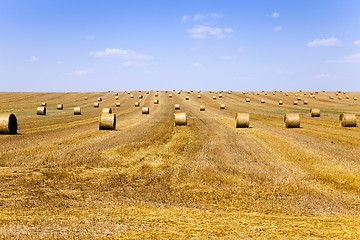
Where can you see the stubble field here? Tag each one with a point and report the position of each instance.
(60, 177)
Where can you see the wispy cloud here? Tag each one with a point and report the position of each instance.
(228, 57)
(197, 65)
(33, 59)
(240, 50)
(322, 76)
(82, 72)
(275, 15)
(127, 54)
(201, 17)
(357, 43)
(202, 32)
(90, 37)
(352, 59)
(277, 29)
(349, 59)
(324, 42)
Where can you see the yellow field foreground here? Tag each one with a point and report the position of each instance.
(60, 177)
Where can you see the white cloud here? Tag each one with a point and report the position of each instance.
(202, 32)
(197, 65)
(200, 17)
(349, 59)
(275, 15)
(90, 37)
(33, 59)
(278, 28)
(114, 52)
(355, 58)
(357, 43)
(82, 72)
(322, 76)
(240, 49)
(324, 42)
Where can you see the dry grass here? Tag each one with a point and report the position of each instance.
(150, 179)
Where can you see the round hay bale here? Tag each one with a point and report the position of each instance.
(188, 92)
(137, 104)
(214, 97)
(305, 102)
(156, 95)
(107, 121)
(8, 123)
(131, 96)
(106, 110)
(85, 98)
(340, 98)
(222, 106)
(140, 96)
(187, 98)
(202, 108)
(147, 92)
(156, 101)
(177, 106)
(128, 92)
(145, 110)
(299, 98)
(180, 119)
(117, 104)
(116, 94)
(99, 99)
(347, 120)
(96, 105)
(198, 96)
(286, 94)
(292, 120)
(281, 102)
(116, 98)
(41, 111)
(295, 103)
(77, 111)
(170, 96)
(43, 104)
(179, 92)
(347, 97)
(265, 94)
(331, 97)
(60, 107)
(315, 112)
(355, 98)
(242, 120)
(247, 99)
(220, 95)
(262, 101)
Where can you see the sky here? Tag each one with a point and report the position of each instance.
(63, 45)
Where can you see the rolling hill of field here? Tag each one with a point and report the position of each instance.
(62, 177)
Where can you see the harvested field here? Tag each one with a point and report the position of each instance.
(60, 177)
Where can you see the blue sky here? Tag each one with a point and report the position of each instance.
(123, 45)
